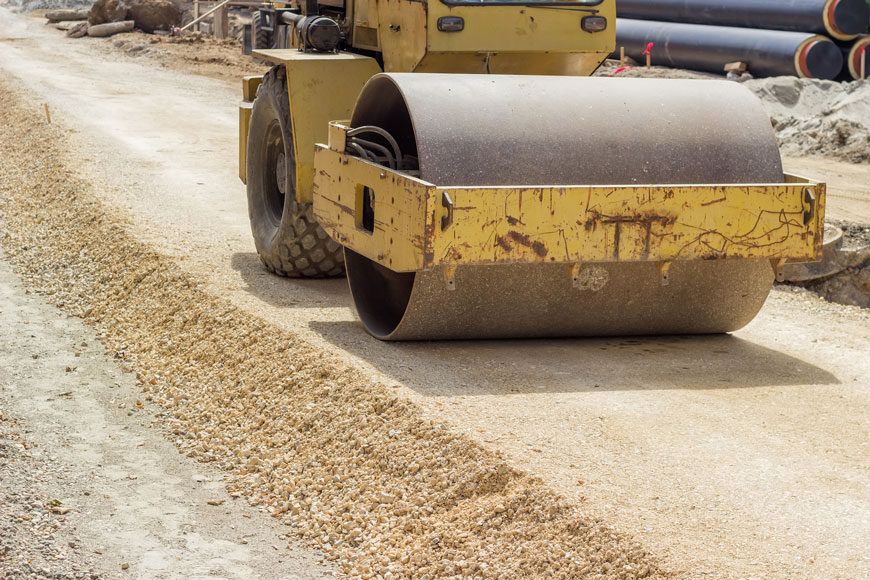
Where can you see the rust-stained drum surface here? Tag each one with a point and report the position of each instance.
(478, 130)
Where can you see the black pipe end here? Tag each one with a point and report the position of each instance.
(851, 16)
(822, 60)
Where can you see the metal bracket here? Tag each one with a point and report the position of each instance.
(446, 203)
(450, 277)
(575, 275)
(664, 273)
(777, 265)
(810, 203)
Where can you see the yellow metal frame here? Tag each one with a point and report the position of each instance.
(420, 225)
(321, 87)
(249, 91)
(497, 38)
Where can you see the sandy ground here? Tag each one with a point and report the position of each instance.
(848, 185)
(735, 456)
(127, 495)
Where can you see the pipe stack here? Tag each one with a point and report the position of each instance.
(804, 38)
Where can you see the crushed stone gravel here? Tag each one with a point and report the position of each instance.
(36, 540)
(384, 492)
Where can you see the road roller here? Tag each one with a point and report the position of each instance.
(457, 160)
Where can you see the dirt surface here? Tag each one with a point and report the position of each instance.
(358, 473)
(739, 456)
(848, 186)
(107, 494)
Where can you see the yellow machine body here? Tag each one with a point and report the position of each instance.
(406, 231)
(500, 39)
(321, 88)
(419, 225)
(404, 36)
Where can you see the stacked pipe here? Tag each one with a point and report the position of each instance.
(804, 38)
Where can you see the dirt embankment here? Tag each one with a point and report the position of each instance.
(355, 470)
(813, 117)
(810, 116)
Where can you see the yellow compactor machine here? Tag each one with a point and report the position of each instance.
(456, 158)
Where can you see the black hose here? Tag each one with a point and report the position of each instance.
(369, 145)
(361, 152)
(383, 133)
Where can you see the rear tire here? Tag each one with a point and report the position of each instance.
(259, 36)
(288, 239)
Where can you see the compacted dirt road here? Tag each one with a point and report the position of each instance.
(106, 493)
(742, 456)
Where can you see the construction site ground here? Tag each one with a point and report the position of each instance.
(173, 410)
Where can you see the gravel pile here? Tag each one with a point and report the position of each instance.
(35, 541)
(357, 472)
(809, 116)
(814, 117)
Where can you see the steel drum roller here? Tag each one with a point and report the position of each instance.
(478, 130)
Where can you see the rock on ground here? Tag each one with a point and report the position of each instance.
(152, 15)
(104, 11)
(149, 15)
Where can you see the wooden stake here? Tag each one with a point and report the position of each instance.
(47, 114)
(648, 60)
(621, 56)
(222, 22)
(196, 9)
(209, 13)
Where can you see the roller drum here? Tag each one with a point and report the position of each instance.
(476, 130)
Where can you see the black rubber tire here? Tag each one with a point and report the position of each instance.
(286, 235)
(259, 37)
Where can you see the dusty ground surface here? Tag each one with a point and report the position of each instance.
(107, 494)
(739, 456)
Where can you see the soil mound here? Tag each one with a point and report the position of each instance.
(810, 116)
(813, 117)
